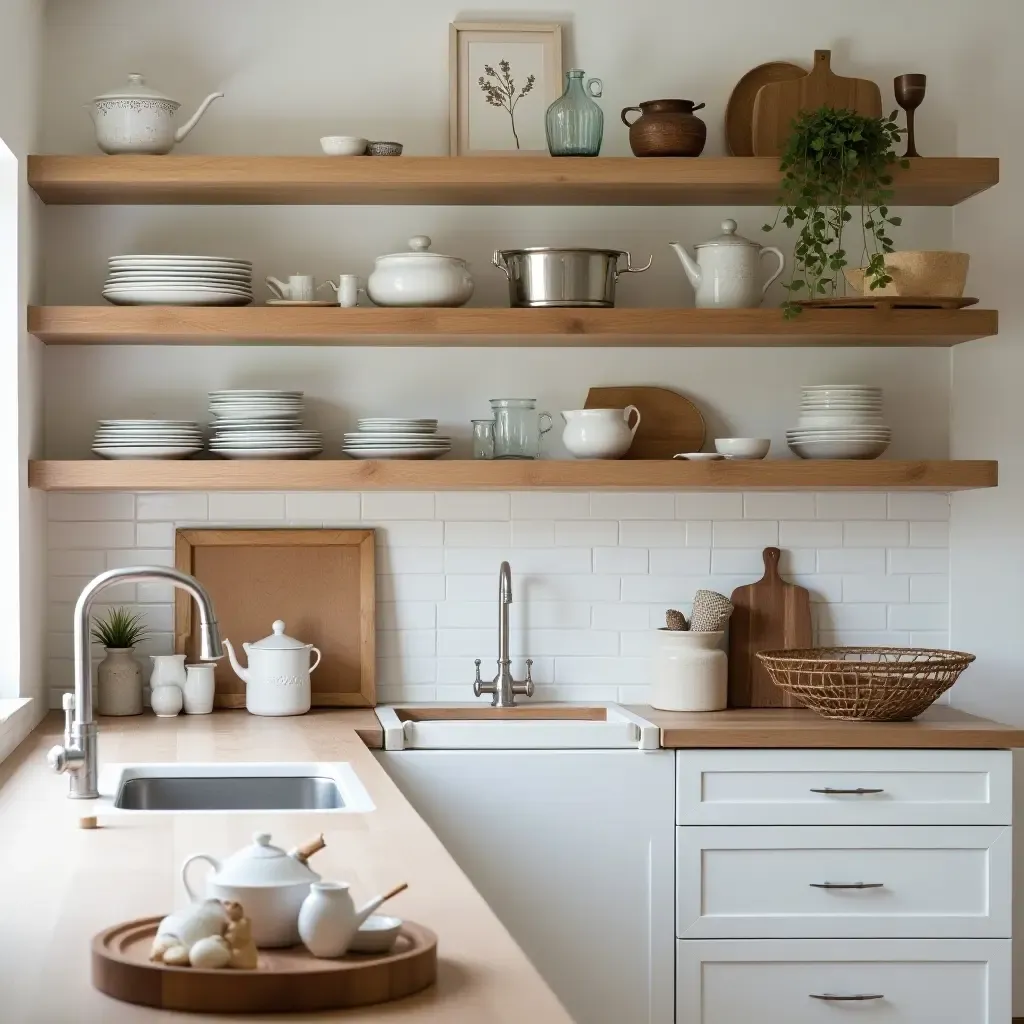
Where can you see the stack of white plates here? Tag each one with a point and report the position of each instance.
(178, 281)
(840, 421)
(147, 439)
(261, 424)
(395, 438)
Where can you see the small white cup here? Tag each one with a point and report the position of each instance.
(348, 290)
(199, 689)
(300, 288)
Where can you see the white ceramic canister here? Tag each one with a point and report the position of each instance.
(419, 278)
(690, 672)
(199, 689)
(166, 701)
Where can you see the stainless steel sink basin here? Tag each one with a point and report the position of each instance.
(329, 787)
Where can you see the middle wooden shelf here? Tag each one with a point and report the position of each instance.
(503, 327)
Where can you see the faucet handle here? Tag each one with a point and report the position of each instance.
(68, 704)
(479, 686)
(525, 687)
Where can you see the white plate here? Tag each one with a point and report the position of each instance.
(176, 286)
(144, 452)
(171, 439)
(272, 453)
(397, 438)
(255, 393)
(147, 275)
(700, 456)
(170, 259)
(817, 389)
(395, 453)
(177, 298)
(148, 423)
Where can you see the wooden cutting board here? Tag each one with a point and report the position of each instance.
(669, 422)
(778, 103)
(320, 582)
(739, 112)
(768, 615)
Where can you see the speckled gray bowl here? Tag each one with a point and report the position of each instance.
(384, 149)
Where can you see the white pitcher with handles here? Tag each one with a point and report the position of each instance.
(600, 433)
(277, 677)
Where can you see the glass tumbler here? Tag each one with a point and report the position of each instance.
(518, 428)
(483, 439)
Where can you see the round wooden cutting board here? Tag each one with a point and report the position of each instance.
(286, 981)
(739, 113)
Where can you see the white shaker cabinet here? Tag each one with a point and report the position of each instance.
(574, 851)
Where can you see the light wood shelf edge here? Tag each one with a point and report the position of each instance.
(453, 474)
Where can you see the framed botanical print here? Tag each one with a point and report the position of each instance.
(503, 78)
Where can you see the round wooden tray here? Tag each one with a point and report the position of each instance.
(886, 302)
(286, 981)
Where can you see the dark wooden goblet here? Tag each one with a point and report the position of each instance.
(909, 95)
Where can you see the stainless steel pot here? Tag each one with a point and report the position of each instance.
(545, 276)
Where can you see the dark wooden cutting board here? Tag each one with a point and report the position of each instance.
(669, 422)
(768, 615)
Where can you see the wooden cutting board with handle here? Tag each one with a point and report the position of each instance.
(669, 422)
(778, 103)
(768, 616)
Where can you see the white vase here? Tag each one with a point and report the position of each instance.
(119, 679)
(328, 919)
(166, 701)
(690, 672)
(199, 689)
(168, 669)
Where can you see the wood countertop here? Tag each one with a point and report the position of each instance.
(939, 727)
(60, 884)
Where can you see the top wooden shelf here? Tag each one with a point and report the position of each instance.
(463, 181)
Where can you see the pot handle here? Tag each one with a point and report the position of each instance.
(626, 413)
(540, 419)
(595, 87)
(630, 269)
(697, 106)
(499, 261)
(628, 110)
(184, 871)
(317, 662)
(782, 265)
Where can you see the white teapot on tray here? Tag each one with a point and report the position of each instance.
(277, 678)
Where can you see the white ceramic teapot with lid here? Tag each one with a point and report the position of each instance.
(277, 679)
(138, 119)
(419, 278)
(269, 883)
(727, 270)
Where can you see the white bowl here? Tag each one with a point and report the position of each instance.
(377, 934)
(838, 449)
(838, 388)
(743, 447)
(343, 145)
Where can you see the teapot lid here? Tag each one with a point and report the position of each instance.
(419, 246)
(263, 864)
(136, 89)
(277, 641)
(727, 237)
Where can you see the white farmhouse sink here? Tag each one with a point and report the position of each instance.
(526, 727)
(233, 788)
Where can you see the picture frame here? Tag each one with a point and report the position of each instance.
(502, 78)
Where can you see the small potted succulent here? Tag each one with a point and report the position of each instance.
(119, 675)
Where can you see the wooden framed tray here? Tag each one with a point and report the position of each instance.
(887, 302)
(286, 981)
(320, 582)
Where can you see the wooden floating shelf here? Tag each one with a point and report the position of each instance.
(576, 328)
(452, 474)
(464, 181)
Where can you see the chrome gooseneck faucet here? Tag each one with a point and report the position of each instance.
(77, 756)
(503, 686)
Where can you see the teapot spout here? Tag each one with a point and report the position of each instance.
(242, 673)
(689, 264)
(194, 119)
(368, 908)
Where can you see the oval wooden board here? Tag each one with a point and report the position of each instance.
(887, 302)
(669, 422)
(286, 981)
(739, 112)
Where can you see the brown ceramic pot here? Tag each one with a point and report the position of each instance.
(666, 128)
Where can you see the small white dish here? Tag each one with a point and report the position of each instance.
(700, 456)
(343, 145)
(743, 447)
(377, 934)
(145, 452)
(838, 449)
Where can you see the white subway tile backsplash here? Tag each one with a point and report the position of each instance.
(550, 505)
(848, 560)
(810, 534)
(396, 505)
(709, 505)
(472, 505)
(525, 560)
(622, 616)
(675, 590)
(864, 587)
(875, 534)
(183, 507)
(406, 671)
(331, 508)
(862, 638)
(631, 505)
(750, 533)
(476, 587)
(121, 559)
(929, 589)
(918, 505)
(929, 535)
(411, 534)
(392, 561)
(594, 587)
(653, 534)
(778, 505)
(930, 638)
(851, 505)
(406, 615)
(620, 560)
(919, 616)
(680, 562)
(595, 671)
(71, 506)
(405, 643)
(698, 533)
(587, 533)
(534, 533)
(154, 535)
(849, 616)
(411, 588)
(112, 534)
(477, 535)
(751, 560)
(246, 506)
(919, 560)
(76, 563)
(154, 593)
(820, 587)
(406, 694)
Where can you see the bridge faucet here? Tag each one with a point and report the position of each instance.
(77, 755)
(503, 686)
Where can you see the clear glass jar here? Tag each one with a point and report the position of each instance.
(575, 123)
(483, 439)
(518, 428)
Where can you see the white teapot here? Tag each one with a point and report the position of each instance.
(277, 679)
(726, 273)
(138, 119)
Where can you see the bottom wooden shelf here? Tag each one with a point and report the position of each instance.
(453, 474)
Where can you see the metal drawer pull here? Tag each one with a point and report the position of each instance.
(829, 791)
(844, 999)
(846, 885)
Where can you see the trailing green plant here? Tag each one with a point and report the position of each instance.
(121, 628)
(834, 160)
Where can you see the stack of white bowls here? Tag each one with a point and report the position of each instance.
(840, 421)
(396, 438)
(178, 281)
(147, 439)
(261, 424)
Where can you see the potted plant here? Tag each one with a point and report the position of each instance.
(835, 160)
(119, 675)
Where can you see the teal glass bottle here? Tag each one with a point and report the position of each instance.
(575, 123)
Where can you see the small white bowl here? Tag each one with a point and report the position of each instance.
(743, 447)
(377, 934)
(700, 456)
(343, 145)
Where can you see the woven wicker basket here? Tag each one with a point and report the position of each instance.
(871, 684)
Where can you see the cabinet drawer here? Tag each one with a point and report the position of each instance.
(931, 982)
(837, 882)
(843, 787)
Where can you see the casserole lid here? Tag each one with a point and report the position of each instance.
(419, 246)
(728, 237)
(136, 89)
(277, 641)
(263, 864)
